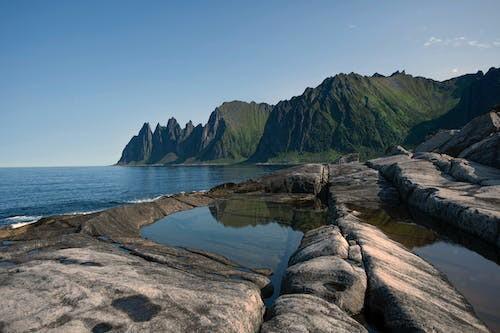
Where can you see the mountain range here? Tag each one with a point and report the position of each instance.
(231, 135)
(346, 113)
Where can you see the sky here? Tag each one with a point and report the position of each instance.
(79, 78)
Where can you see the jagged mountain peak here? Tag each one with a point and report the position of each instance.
(231, 133)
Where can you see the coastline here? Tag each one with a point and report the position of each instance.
(358, 247)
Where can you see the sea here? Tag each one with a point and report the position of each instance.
(28, 194)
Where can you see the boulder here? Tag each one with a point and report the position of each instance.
(348, 158)
(308, 178)
(397, 150)
(323, 241)
(486, 151)
(437, 140)
(475, 131)
(331, 278)
(302, 313)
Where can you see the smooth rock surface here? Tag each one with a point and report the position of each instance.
(331, 278)
(94, 273)
(302, 313)
(404, 292)
(470, 207)
(323, 241)
(463, 170)
(94, 285)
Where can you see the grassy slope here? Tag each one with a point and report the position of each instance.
(243, 127)
(353, 113)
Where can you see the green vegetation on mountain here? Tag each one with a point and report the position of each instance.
(346, 113)
(230, 135)
(354, 113)
(479, 93)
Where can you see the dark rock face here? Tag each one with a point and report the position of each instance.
(436, 141)
(478, 141)
(231, 134)
(478, 93)
(347, 113)
(475, 131)
(139, 149)
(486, 151)
(354, 113)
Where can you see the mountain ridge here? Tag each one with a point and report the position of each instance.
(345, 113)
(230, 134)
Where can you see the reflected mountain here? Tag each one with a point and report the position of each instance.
(302, 214)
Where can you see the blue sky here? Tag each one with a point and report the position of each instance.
(78, 78)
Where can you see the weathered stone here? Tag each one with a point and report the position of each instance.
(406, 293)
(95, 286)
(397, 150)
(476, 130)
(323, 241)
(308, 178)
(437, 140)
(464, 170)
(469, 207)
(331, 278)
(115, 223)
(302, 313)
(486, 151)
(94, 273)
(348, 158)
(355, 253)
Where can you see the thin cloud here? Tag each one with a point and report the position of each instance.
(433, 40)
(475, 43)
(459, 42)
(352, 26)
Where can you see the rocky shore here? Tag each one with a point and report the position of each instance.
(95, 273)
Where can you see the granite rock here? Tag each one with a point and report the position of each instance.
(303, 313)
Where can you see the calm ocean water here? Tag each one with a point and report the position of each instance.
(27, 194)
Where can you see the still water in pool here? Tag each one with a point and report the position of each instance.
(254, 232)
(470, 265)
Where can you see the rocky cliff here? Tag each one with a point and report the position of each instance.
(346, 113)
(478, 94)
(355, 113)
(231, 134)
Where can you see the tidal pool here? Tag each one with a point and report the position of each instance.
(256, 232)
(471, 266)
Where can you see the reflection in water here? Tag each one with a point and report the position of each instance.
(397, 224)
(257, 232)
(470, 265)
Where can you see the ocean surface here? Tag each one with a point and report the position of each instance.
(27, 194)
